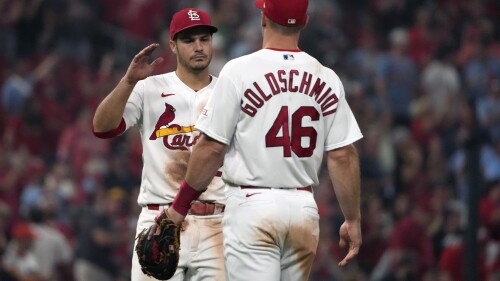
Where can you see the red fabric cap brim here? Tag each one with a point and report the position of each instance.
(212, 29)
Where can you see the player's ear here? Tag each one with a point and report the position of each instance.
(262, 19)
(173, 46)
(307, 22)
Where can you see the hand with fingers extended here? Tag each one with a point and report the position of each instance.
(350, 235)
(140, 67)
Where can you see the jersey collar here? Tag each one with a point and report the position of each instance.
(284, 50)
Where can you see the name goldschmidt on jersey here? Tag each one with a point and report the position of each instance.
(289, 82)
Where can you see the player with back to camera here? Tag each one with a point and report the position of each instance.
(273, 115)
(165, 108)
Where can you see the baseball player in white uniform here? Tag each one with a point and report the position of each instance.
(165, 108)
(273, 115)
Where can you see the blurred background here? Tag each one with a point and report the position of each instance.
(422, 78)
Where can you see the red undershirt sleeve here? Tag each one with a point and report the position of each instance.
(110, 134)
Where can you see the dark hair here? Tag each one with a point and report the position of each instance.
(186, 31)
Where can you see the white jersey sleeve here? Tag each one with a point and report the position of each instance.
(225, 110)
(344, 128)
(133, 108)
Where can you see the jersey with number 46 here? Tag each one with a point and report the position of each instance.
(278, 111)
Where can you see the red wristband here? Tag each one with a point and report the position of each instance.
(183, 199)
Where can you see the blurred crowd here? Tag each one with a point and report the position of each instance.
(421, 76)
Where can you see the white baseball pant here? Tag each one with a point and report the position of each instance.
(270, 234)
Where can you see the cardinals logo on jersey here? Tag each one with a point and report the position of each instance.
(174, 136)
(165, 119)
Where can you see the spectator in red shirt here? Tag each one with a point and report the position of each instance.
(408, 245)
(489, 210)
(422, 43)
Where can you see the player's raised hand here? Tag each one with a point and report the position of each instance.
(350, 234)
(140, 67)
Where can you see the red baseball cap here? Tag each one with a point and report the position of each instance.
(284, 12)
(190, 17)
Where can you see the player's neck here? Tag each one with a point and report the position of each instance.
(278, 41)
(195, 81)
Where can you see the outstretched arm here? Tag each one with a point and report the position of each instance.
(343, 168)
(109, 113)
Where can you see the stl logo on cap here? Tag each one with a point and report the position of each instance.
(193, 15)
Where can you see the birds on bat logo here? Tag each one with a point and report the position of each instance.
(165, 119)
(174, 136)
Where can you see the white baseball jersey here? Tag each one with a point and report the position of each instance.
(278, 111)
(166, 110)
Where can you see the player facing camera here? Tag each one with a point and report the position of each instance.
(191, 38)
(165, 108)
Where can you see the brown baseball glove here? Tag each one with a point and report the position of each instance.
(159, 255)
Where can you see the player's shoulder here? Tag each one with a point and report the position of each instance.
(325, 69)
(244, 60)
(330, 72)
(167, 77)
(325, 72)
(162, 78)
